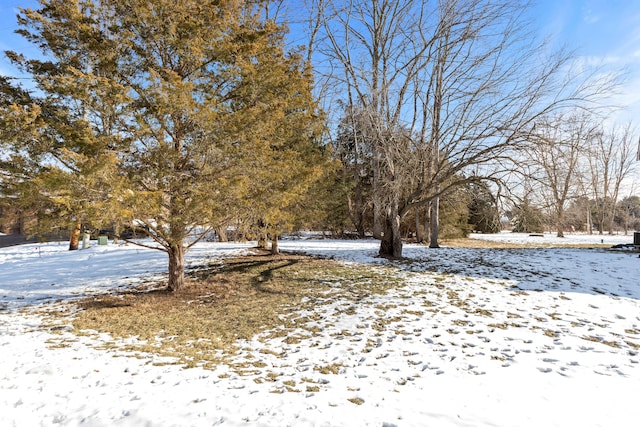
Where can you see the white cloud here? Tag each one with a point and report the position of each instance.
(589, 15)
(590, 18)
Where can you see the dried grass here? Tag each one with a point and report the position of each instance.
(220, 305)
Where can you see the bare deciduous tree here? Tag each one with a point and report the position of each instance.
(559, 143)
(448, 87)
(610, 163)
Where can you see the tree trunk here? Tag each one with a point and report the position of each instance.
(222, 234)
(262, 235)
(359, 215)
(21, 223)
(427, 223)
(116, 233)
(377, 228)
(176, 268)
(419, 234)
(356, 213)
(360, 229)
(74, 238)
(560, 221)
(435, 223)
(612, 220)
(274, 245)
(359, 198)
(391, 242)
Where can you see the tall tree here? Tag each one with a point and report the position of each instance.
(206, 101)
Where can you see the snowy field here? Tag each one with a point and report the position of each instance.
(479, 337)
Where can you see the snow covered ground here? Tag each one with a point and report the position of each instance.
(479, 337)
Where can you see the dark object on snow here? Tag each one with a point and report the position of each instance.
(630, 246)
(624, 246)
(15, 239)
(536, 235)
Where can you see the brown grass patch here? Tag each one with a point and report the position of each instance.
(223, 304)
(534, 243)
(479, 244)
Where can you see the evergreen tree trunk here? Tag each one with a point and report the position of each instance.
(360, 229)
(222, 234)
(356, 212)
(359, 212)
(74, 238)
(21, 222)
(176, 267)
(116, 233)
(435, 223)
(274, 245)
(262, 235)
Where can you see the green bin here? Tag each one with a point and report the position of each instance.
(102, 240)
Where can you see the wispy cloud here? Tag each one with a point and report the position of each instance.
(589, 17)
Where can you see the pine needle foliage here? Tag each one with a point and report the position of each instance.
(167, 116)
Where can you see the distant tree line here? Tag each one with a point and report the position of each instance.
(579, 214)
(576, 173)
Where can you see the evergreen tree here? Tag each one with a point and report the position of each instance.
(484, 216)
(59, 164)
(353, 148)
(579, 214)
(527, 218)
(628, 213)
(454, 214)
(326, 206)
(287, 125)
(179, 110)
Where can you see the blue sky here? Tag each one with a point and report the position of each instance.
(600, 31)
(595, 27)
